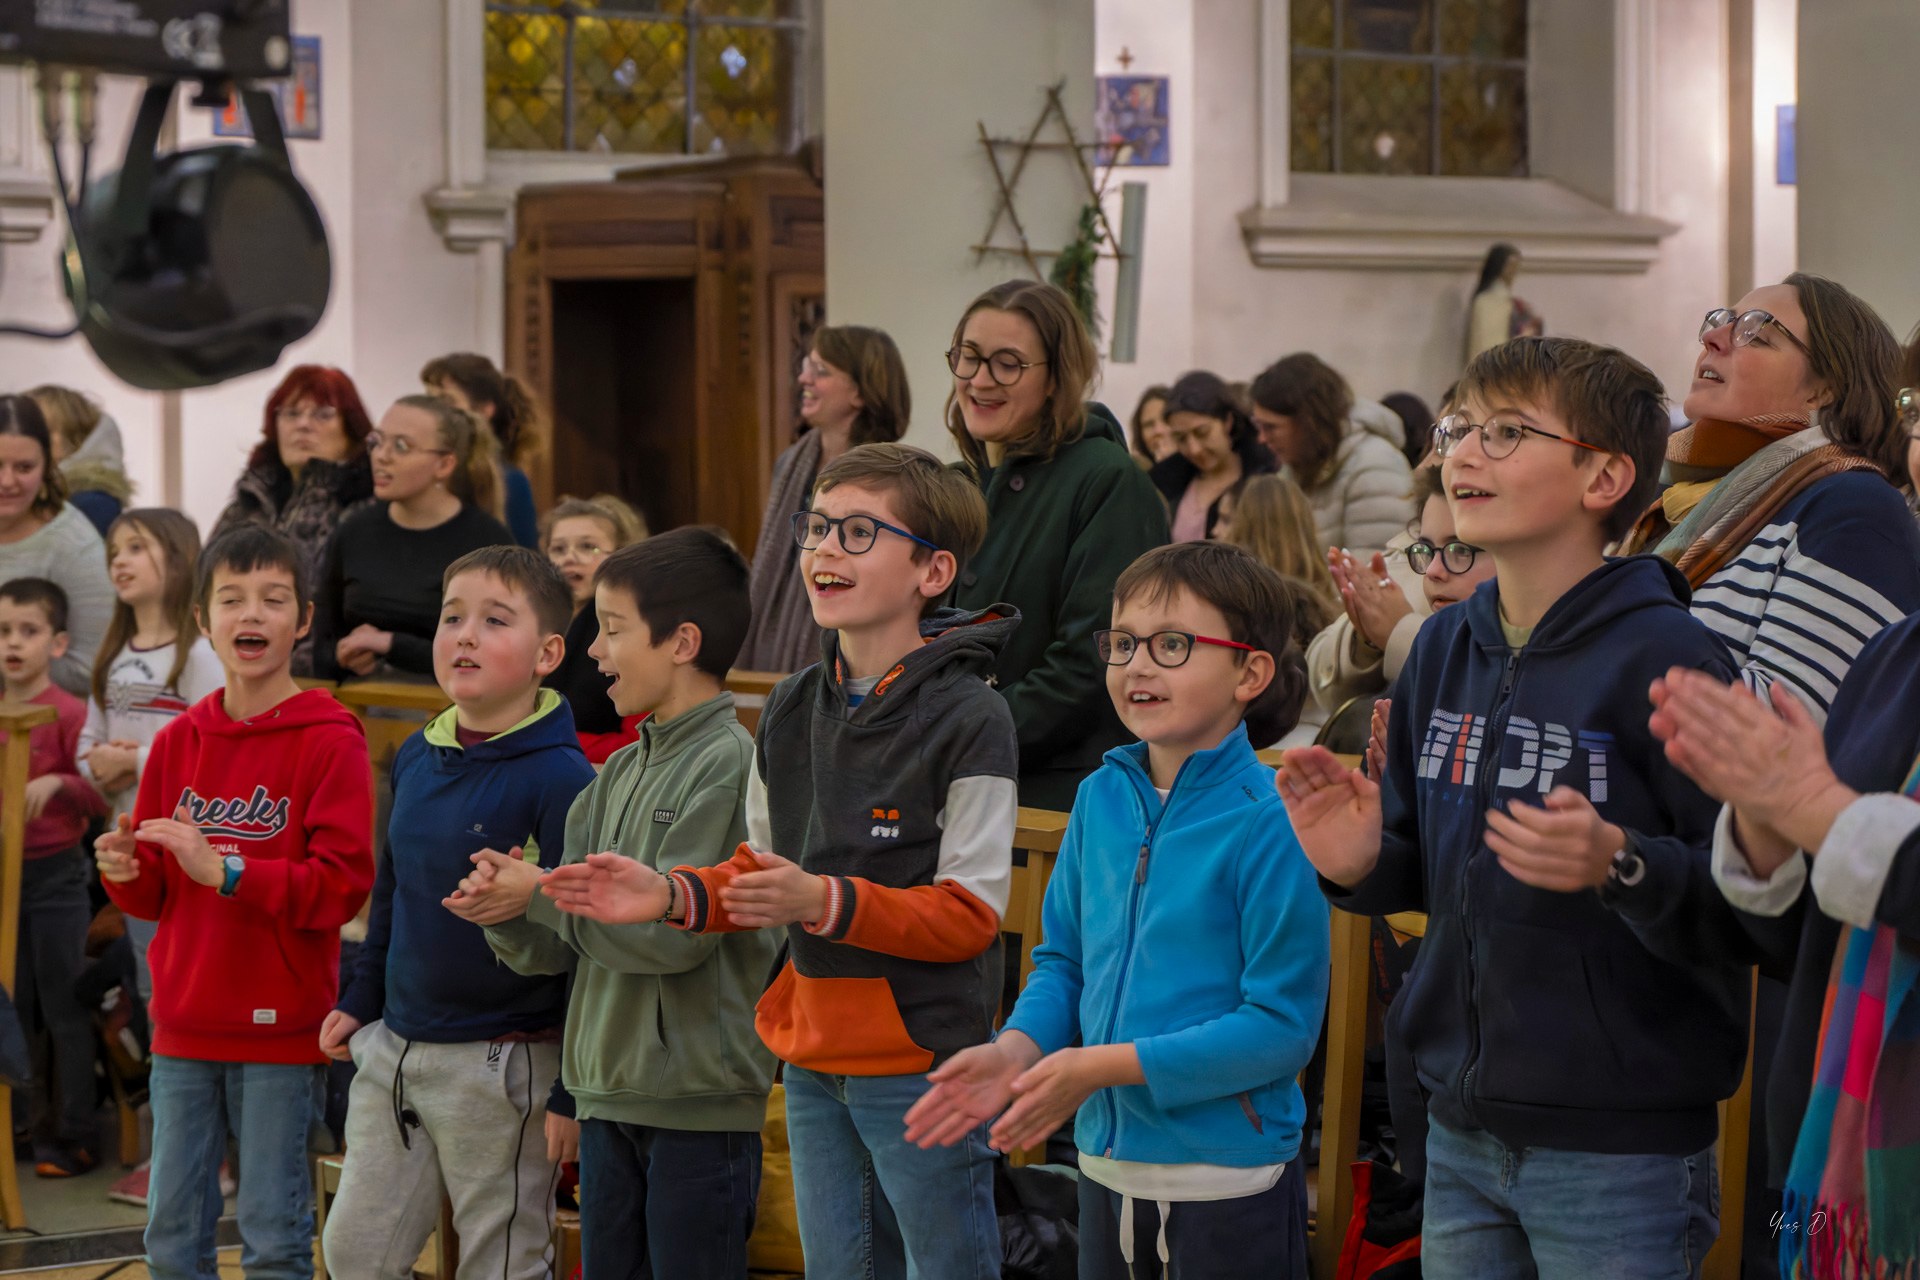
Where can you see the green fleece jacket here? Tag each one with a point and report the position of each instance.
(660, 1023)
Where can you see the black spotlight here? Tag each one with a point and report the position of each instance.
(200, 265)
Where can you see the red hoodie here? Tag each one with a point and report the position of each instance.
(250, 978)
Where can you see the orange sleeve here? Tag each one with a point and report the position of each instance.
(938, 922)
(700, 889)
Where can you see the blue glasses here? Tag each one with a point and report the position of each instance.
(857, 533)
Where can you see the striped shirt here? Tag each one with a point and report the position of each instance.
(1838, 563)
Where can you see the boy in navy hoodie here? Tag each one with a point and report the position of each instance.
(1579, 1006)
(457, 1053)
(1184, 973)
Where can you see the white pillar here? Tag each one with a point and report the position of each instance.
(909, 189)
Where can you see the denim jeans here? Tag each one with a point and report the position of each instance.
(1563, 1215)
(872, 1205)
(268, 1107)
(666, 1204)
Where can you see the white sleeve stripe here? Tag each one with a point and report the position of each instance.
(976, 838)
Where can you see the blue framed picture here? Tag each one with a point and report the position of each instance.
(297, 96)
(1130, 119)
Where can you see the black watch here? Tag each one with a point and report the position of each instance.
(1628, 868)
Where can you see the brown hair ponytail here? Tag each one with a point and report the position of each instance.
(476, 475)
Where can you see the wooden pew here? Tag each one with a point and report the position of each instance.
(417, 704)
(750, 690)
(17, 720)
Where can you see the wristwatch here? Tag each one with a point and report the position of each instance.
(1628, 868)
(234, 864)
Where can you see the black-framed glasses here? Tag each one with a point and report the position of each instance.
(1497, 439)
(1004, 366)
(399, 446)
(1454, 555)
(1168, 648)
(857, 533)
(1748, 325)
(1907, 406)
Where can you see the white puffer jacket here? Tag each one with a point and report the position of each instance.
(1364, 502)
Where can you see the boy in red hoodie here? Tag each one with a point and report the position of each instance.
(54, 910)
(251, 844)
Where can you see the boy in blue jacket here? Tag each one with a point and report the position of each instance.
(1181, 985)
(457, 1053)
(1580, 1002)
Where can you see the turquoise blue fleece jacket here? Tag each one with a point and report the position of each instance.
(1196, 931)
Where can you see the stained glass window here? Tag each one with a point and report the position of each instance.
(691, 77)
(1410, 87)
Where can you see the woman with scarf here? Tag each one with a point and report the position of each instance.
(1798, 549)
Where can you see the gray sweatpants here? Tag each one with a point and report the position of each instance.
(466, 1120)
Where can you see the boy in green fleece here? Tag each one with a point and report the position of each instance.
(669, 1140)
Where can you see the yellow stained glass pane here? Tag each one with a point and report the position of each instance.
(1483, 122)
(744, 76)
(629, 85)
(1312, 23)
(1483, 28)
(525, 69)
(1311, 137)
(1386, 116)
(1387, 26)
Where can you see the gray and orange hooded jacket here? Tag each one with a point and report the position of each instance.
(904, 800)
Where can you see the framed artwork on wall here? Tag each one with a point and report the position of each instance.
(1130, 118)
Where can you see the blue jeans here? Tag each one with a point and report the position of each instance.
(268, 1107)
(1563, 1215)
(872, 1205)
(657, 1203)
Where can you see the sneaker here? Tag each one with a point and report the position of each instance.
(131, 1189)
(228, 1186)
(68, 1162)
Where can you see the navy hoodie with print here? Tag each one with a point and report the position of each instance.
(427, 972)
(1608, 1020)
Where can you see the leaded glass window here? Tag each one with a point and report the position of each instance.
(1410, 87)
(693, 77)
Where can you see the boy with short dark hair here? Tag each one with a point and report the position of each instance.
(1181, 985)
(1580, 1005)
(456, 1054)
(668, 1077)
(54, 908)
(251, 844)
(880, 821)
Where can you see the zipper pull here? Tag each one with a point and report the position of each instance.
(1140, 867)
(1506, 683)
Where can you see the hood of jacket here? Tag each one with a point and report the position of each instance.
(550, 725)
(955, 642)
(1371, 418)
(304, 710)
(1598, 603)
(99, 463)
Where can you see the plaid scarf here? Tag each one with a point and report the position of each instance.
(1853, 1189)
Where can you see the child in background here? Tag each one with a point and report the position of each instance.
(152, 666)
(880, 819)
(465, 1049)
(54, 910)
(250, 843)
(668, 1078)
(577, 535)
(1178, 868)
(1580, 1004)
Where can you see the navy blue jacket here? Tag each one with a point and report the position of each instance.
(1605, 1021)
(427, 972)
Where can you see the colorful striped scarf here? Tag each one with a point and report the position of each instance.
(1852, 1206)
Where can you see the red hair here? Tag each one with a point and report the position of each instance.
(321, 385)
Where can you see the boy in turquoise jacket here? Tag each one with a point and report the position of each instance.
(1186, 948)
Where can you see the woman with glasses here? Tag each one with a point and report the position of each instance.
(577, 535)
(1067, 511)
(1781, 513)
(853, 390)
(308, 470)
(377, 603)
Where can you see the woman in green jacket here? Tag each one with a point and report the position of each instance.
(1067, 510)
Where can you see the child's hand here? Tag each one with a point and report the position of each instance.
(39, 791)
(113, 853)
(114, 764)
(781, 894)
(608, 887)
(1377, 739)
(563, 1132)
(179, 837)
(1374, 601)
(1048, 1093)
(335, 1032)
(1564, 847)
(1335, 813)
(969, 1089)
(496, 890)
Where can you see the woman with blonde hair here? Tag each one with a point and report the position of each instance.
(1269, 516)
(853, 391)
(1068, 509)
(378, 603)
(88, 451)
